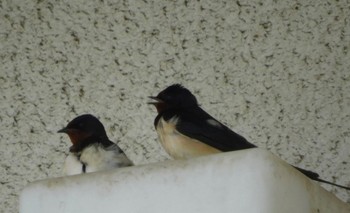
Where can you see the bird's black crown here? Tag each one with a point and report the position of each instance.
(87, 123)
(177, 96)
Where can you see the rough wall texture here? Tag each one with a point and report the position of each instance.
(277, 72)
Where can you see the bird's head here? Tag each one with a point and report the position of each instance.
(174, 97)
(84, 129)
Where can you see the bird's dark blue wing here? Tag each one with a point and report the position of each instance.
(198, 124)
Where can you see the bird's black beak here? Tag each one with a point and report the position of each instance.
(157, 100)
(63, 130)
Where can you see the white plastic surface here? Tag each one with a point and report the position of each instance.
(244, 181)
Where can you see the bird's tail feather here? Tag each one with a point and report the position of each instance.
(316, 177)
(334, 184)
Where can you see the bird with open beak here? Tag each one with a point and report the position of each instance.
(185, 130)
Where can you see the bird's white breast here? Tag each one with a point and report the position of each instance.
(72, 165)
(95, 158)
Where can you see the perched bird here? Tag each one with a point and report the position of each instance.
(91, 150)
(185, 130)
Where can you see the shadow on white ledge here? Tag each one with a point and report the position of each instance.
(243, 181)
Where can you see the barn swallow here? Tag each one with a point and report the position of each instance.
(91, 150)
(185, 130)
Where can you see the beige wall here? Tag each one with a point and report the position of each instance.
(277, 73)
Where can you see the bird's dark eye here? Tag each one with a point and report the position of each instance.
(166, 97)
(81, 125)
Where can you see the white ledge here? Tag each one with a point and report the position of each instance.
(244, 181)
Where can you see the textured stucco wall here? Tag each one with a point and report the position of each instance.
(277, 72)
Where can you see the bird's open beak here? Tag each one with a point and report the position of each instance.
(156, 100)
(64, 130)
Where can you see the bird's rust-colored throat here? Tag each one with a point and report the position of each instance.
(158, 103)
(160, 107)
(77, 136)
